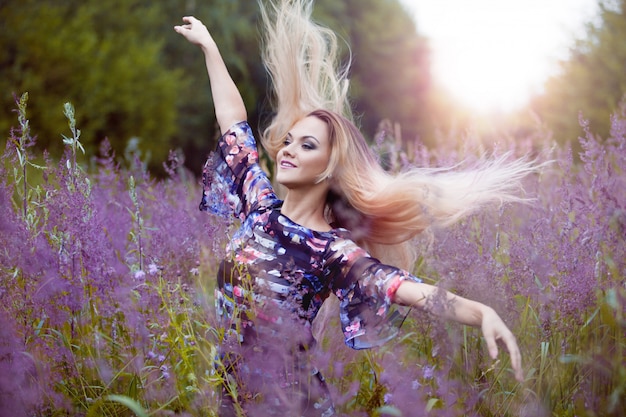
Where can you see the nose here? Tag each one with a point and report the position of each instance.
(287, 150)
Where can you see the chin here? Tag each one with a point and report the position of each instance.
(284, 180)
(282, 183)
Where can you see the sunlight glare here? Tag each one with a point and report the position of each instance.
(491, 55)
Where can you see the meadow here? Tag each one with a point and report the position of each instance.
(107, 277)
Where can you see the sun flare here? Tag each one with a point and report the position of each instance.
(491, 55)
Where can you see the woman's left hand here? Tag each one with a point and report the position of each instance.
(494, 329)
(195, 32)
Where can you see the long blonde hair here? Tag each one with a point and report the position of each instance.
(383, 211)
(302, 60)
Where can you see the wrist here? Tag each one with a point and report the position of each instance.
(208, 46)
(484, 311)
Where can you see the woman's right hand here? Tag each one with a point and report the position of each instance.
(195, 32)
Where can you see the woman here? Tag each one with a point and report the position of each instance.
(289, 255)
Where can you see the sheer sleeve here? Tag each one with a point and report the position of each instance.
(365, 288)
(233, 182)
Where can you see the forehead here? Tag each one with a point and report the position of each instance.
(310, 126)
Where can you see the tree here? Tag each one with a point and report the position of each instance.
(592, 81)
(103, 57)
(128, 74)
(391, 63)
(234, 25)
(390, 76)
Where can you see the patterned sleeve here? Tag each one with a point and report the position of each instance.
(365, 288)
(233, 182)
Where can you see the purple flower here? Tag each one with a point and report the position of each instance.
(17, 391)
(153, 269)
(429, 372)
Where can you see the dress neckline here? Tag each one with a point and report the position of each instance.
(331, 232)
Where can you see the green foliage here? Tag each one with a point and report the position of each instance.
(591, 81)
(390, 77)
(234, 26)
(21, 140)
(132, 76)
(105, 57)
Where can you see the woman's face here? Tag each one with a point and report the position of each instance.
(304, 155)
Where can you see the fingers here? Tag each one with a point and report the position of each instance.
(189, 20)
(514, 353)
(195, 32)
(494, 333)
(516, 358)
(492, 346)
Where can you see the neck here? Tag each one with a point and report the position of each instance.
(306, 208)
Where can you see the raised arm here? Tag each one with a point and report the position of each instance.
(464, 311)
(229, 106)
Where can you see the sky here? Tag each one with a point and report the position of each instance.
(492, 55)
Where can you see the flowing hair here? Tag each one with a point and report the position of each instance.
(302, 60)
(383, 211)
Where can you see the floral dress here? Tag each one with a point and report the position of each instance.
(279, 273)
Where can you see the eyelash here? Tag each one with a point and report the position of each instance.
(307, 146)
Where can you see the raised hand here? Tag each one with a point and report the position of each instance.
(195, 31)
(229, 106)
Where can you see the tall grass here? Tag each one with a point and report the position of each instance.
(106, 276)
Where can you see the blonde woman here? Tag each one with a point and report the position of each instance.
(341, 212)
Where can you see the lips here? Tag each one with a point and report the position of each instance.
(287, 164)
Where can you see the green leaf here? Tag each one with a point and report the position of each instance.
(131, 404)
(388, 410)
(431, 404)
(569, 358)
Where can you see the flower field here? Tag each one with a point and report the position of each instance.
(106, 281)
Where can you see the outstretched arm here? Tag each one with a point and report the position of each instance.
(464, 311)
(229, 106)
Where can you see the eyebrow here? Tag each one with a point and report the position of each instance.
(305, 137)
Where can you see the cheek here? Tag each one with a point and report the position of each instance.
(326, 160)
(321, 162)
